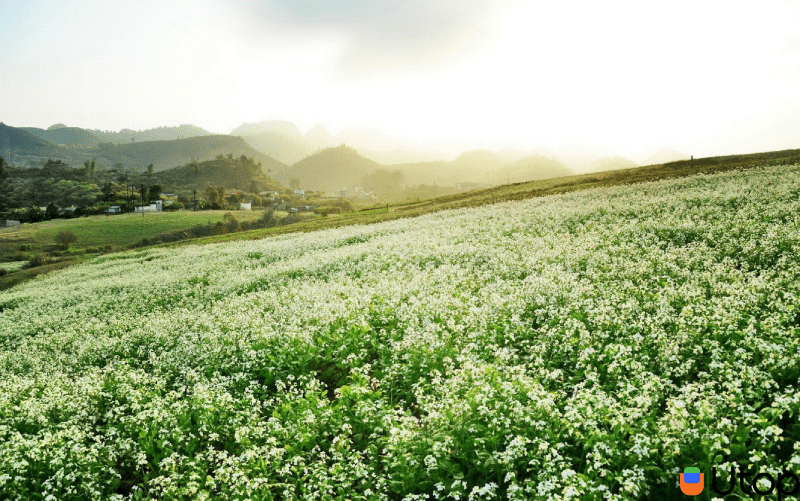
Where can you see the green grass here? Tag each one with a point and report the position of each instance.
(117, 231)
(94, 233)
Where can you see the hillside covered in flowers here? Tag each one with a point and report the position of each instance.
(580, 346)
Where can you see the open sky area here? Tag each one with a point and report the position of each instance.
(702, 77)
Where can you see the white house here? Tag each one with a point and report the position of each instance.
(246, 206)
(153, 207)
(8, 223)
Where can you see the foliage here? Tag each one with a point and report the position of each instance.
(64, 238)
(229, 224)
(154, 192)
(57, 183)
(240, 173)
(36, 261)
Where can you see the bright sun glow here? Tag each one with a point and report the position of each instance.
(625, 76)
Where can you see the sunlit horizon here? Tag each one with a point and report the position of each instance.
(621, 77)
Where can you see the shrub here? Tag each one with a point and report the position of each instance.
(36, 261)
(25, 247)
(64, 238)
(3, 272)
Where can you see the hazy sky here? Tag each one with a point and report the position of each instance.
(700, 77)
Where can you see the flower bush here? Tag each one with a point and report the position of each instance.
(581, 346)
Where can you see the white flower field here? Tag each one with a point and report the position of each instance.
(580, 346)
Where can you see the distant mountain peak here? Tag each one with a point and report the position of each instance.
(318, 133)
(281, 126)
(57, 126)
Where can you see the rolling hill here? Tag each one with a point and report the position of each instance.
(157, 134)
(281, 146)
(466, 344)
(332, 169)
(167, 154)
(477, 166)
(66, 136)
(230, 172)
(19, 147)
(532, 168)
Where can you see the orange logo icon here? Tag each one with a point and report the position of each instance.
(692, 481)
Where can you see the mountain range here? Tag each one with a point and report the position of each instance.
(319, 160)
(21, 146)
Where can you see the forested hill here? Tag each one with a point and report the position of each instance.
(156, 134)
(19, 146)
(168, 154)
(240, 173)
(22, 148)
(66, 135)
(332, 169)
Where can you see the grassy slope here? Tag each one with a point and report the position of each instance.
(127, 230)
(97, 231)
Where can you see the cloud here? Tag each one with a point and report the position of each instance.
(380, 36)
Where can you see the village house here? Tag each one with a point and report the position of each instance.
(156, 206)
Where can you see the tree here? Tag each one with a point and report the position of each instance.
(51, 212)
(212, 196)
(6, 189)
(234, 199)
(64, 238)
(154, 193)
(108, 192)
(150, 170)
(34, 214)
(232, 225)
(294, 184)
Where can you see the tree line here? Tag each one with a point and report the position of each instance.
(92, 188)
